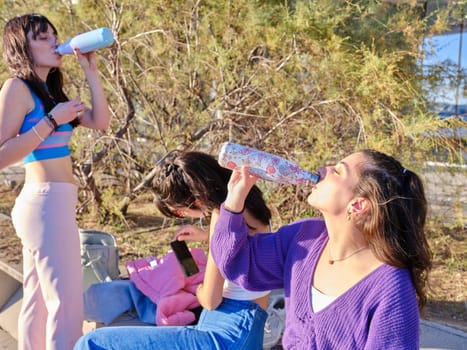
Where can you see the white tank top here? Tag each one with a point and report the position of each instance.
(234, 291)
(319, 300)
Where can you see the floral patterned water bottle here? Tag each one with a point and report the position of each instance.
(264, 165)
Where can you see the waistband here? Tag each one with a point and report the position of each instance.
(233, 305)
(49, 187)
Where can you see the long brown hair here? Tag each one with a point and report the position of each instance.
(183, 179)
(395, 228)
(17, 55)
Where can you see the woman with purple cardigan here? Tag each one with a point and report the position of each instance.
(353, 279)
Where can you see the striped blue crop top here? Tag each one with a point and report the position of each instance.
(55, 145)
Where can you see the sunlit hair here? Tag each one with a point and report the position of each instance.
(18, 57)
(395, 225)
(196, 180)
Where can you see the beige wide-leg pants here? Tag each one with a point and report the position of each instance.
(51, 316)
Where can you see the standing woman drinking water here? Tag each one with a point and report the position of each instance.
(353, 279)
(36, 123)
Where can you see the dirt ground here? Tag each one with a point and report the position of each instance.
(149, 235)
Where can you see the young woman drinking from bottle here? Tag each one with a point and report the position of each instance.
(36, 124)
(354, 278)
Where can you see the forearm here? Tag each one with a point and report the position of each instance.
(100, 116)
(234, 203)
(254, 262)
(209, 293)
(16, 148)
(228, 244)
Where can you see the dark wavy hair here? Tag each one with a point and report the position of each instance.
(18, 57)
(183, 179)
(395, 227)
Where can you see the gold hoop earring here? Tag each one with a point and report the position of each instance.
(349, 215)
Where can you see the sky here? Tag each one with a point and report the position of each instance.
(447, 47)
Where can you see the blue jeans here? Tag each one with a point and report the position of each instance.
(235, 324)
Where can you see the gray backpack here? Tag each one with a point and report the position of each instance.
(99, 257)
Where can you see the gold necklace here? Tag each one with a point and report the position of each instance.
(332, 261)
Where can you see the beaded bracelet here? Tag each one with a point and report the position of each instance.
(51, 118)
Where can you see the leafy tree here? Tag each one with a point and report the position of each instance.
(308, 80)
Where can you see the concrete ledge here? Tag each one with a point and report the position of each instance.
(11, 295)
(440, 337)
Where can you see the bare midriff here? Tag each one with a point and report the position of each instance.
(50, 170)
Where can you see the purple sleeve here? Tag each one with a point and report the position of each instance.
(395, 323)
(253, 262)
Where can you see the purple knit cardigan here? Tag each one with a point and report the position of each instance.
(379, 312)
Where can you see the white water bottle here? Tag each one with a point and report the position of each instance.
(264, 165)
(86, 42)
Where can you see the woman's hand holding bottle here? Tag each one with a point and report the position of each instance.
(87, 61)
(239, 186)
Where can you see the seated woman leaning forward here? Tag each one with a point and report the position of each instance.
(353, 278)
(193, 184)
